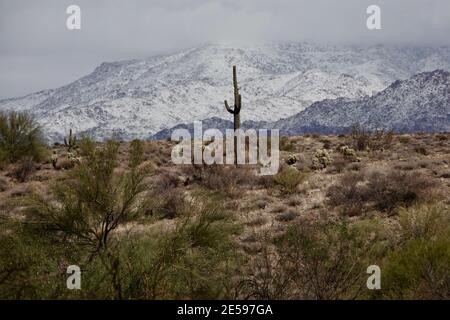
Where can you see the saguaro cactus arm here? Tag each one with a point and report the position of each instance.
(228, 107)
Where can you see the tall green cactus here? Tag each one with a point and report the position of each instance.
(236, 110)
(71, 141)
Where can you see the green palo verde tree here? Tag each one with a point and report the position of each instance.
(20, 137)
(95, 198)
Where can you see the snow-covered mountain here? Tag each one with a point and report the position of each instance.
(137, 98)
(421, 103)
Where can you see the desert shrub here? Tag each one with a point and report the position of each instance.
(94, 199)
(288, 179)
(382, 140)
(136, 151)
(294, 201)
(326, 260)
(166, 198)
(194, 260)
(287, 216)
(16, 267)
(264, 278)
(419, 270)
(362, 139)
(279, 208)
(65, 164)
(406, 166)
(168, 205)
(327, 144)
(22, 169)
(348, 193)
(266, 181)
(404, 139)
(260, 203)
(424, 163)
(287, 144)
(421, 150)
(384, 190)
(20, 136)
(164, 181)
(227, 179)
(339, 165)
(391, 188)
(425, 220)
(32, 266)
(354, 166)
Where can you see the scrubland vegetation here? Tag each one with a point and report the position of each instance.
(141, 227)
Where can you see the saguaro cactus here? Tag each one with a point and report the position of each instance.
(235, 110)
(71, 141)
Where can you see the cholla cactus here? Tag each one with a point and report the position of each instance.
(322, 159)
(347, 152)
(292, 159)
(74, 159)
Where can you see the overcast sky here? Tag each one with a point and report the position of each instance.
(38, 52)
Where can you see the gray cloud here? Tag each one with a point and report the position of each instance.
(38, 52)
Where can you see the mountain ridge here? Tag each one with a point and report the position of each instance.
(397, 108)
(138, 98)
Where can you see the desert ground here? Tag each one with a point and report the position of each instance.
(337, 205)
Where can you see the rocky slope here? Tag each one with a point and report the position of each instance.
(421, 103)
